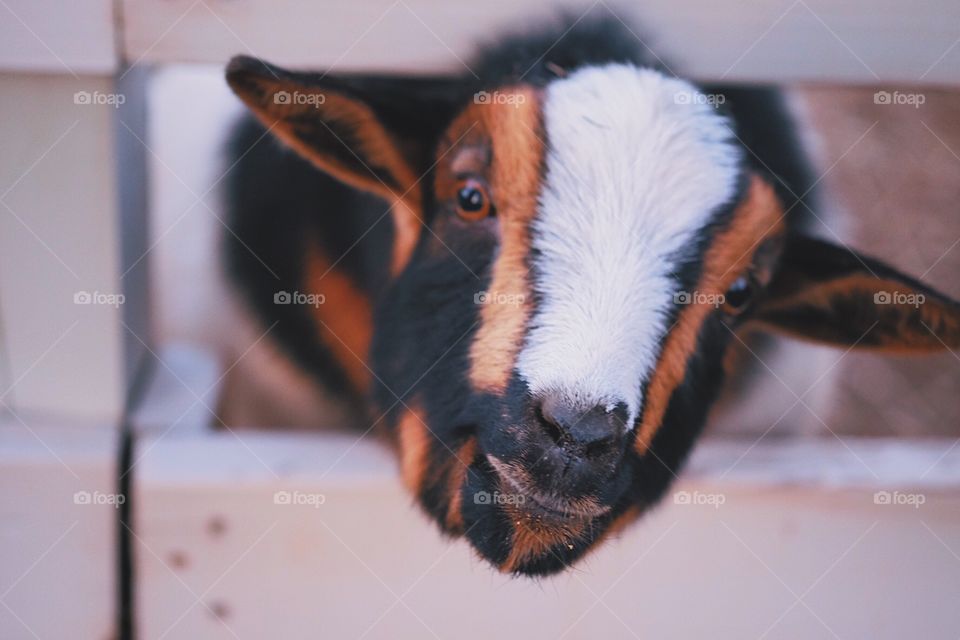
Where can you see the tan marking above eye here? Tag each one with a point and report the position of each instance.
(472, 200)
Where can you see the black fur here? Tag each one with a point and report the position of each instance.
(535, 56)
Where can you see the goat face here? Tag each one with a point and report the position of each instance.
(570, 261)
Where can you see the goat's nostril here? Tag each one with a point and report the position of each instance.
(589, 433)
(551, 427)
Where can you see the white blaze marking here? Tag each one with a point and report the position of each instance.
(633, 173)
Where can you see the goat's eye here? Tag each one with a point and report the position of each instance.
(473, 202)
(738, 295)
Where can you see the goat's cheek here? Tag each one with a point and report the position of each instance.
(455, 485)
(435, 474)
(485, 523)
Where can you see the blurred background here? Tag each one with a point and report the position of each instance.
(163, 474)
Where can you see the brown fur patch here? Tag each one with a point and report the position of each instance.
(344, 320)
(414, 440)
(406, 229)
(758, 216)
(457, 476)
(510, 134)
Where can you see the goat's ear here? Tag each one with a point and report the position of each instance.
(329, 123)
(832, 295)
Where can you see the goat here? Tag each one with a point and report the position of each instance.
(530, 278)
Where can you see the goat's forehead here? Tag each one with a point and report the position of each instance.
(637, 141)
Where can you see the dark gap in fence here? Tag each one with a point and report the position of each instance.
(124, 551)
(126, 570)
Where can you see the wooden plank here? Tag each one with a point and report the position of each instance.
(66, 237)
(271, 534)
(58, 522)
(862, 41)
(49, 36)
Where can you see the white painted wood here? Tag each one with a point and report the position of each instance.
(58, 531)
(64, 298)
(749, 529)
(768, 40)
(51, 36)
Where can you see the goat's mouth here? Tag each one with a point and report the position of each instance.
(521, 490)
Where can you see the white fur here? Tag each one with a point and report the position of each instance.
(635, 168)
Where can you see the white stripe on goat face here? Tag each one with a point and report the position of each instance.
(636, 167)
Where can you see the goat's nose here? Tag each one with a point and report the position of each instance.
(587, 433)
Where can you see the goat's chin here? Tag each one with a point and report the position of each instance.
(524, 538)
(530, 545)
